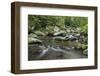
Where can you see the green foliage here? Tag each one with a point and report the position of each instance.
(48, 23)
(85, 29)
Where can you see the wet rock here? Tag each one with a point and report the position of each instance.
(67, 48)
(72, 38)
(42, 47)
(59, 38)
(34, 40)
(68, 30)
(51, 53)
(77, 35)
(61, 33)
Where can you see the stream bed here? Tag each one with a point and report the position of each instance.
(51, 49)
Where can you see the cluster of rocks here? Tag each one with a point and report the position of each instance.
(60, 36)
(32, 38)
(53, 52)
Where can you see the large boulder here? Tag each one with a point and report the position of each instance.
(39, 33)
(34, 40)
(59, 38)
(61, 33)
(56, 29)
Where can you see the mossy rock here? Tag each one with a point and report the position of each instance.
(81, 46)
(32, 35)
(84, 46)
(39, 33)
(60, 33)
(34, 40)
(56, 29)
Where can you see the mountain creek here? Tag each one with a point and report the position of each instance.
(51, 49)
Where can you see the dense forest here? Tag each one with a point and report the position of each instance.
(51, 23)
(60, 33)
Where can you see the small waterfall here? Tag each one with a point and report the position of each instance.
(44, 51)
(51, 48)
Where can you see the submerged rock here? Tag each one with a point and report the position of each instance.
(85, 52)
(77, 35)
(81, 46)
(61, 37)
(34, 40)
(51, 53)
(67, 48)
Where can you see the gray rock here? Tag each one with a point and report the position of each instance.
(61, 33)
(39, 33)
(51, 53)
(59, 38)
(72, 38)
(33, 40)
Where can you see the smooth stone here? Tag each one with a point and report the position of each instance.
(34, 40)
(39, 33)
(61, 33)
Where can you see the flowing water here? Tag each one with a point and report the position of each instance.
(51, 49)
